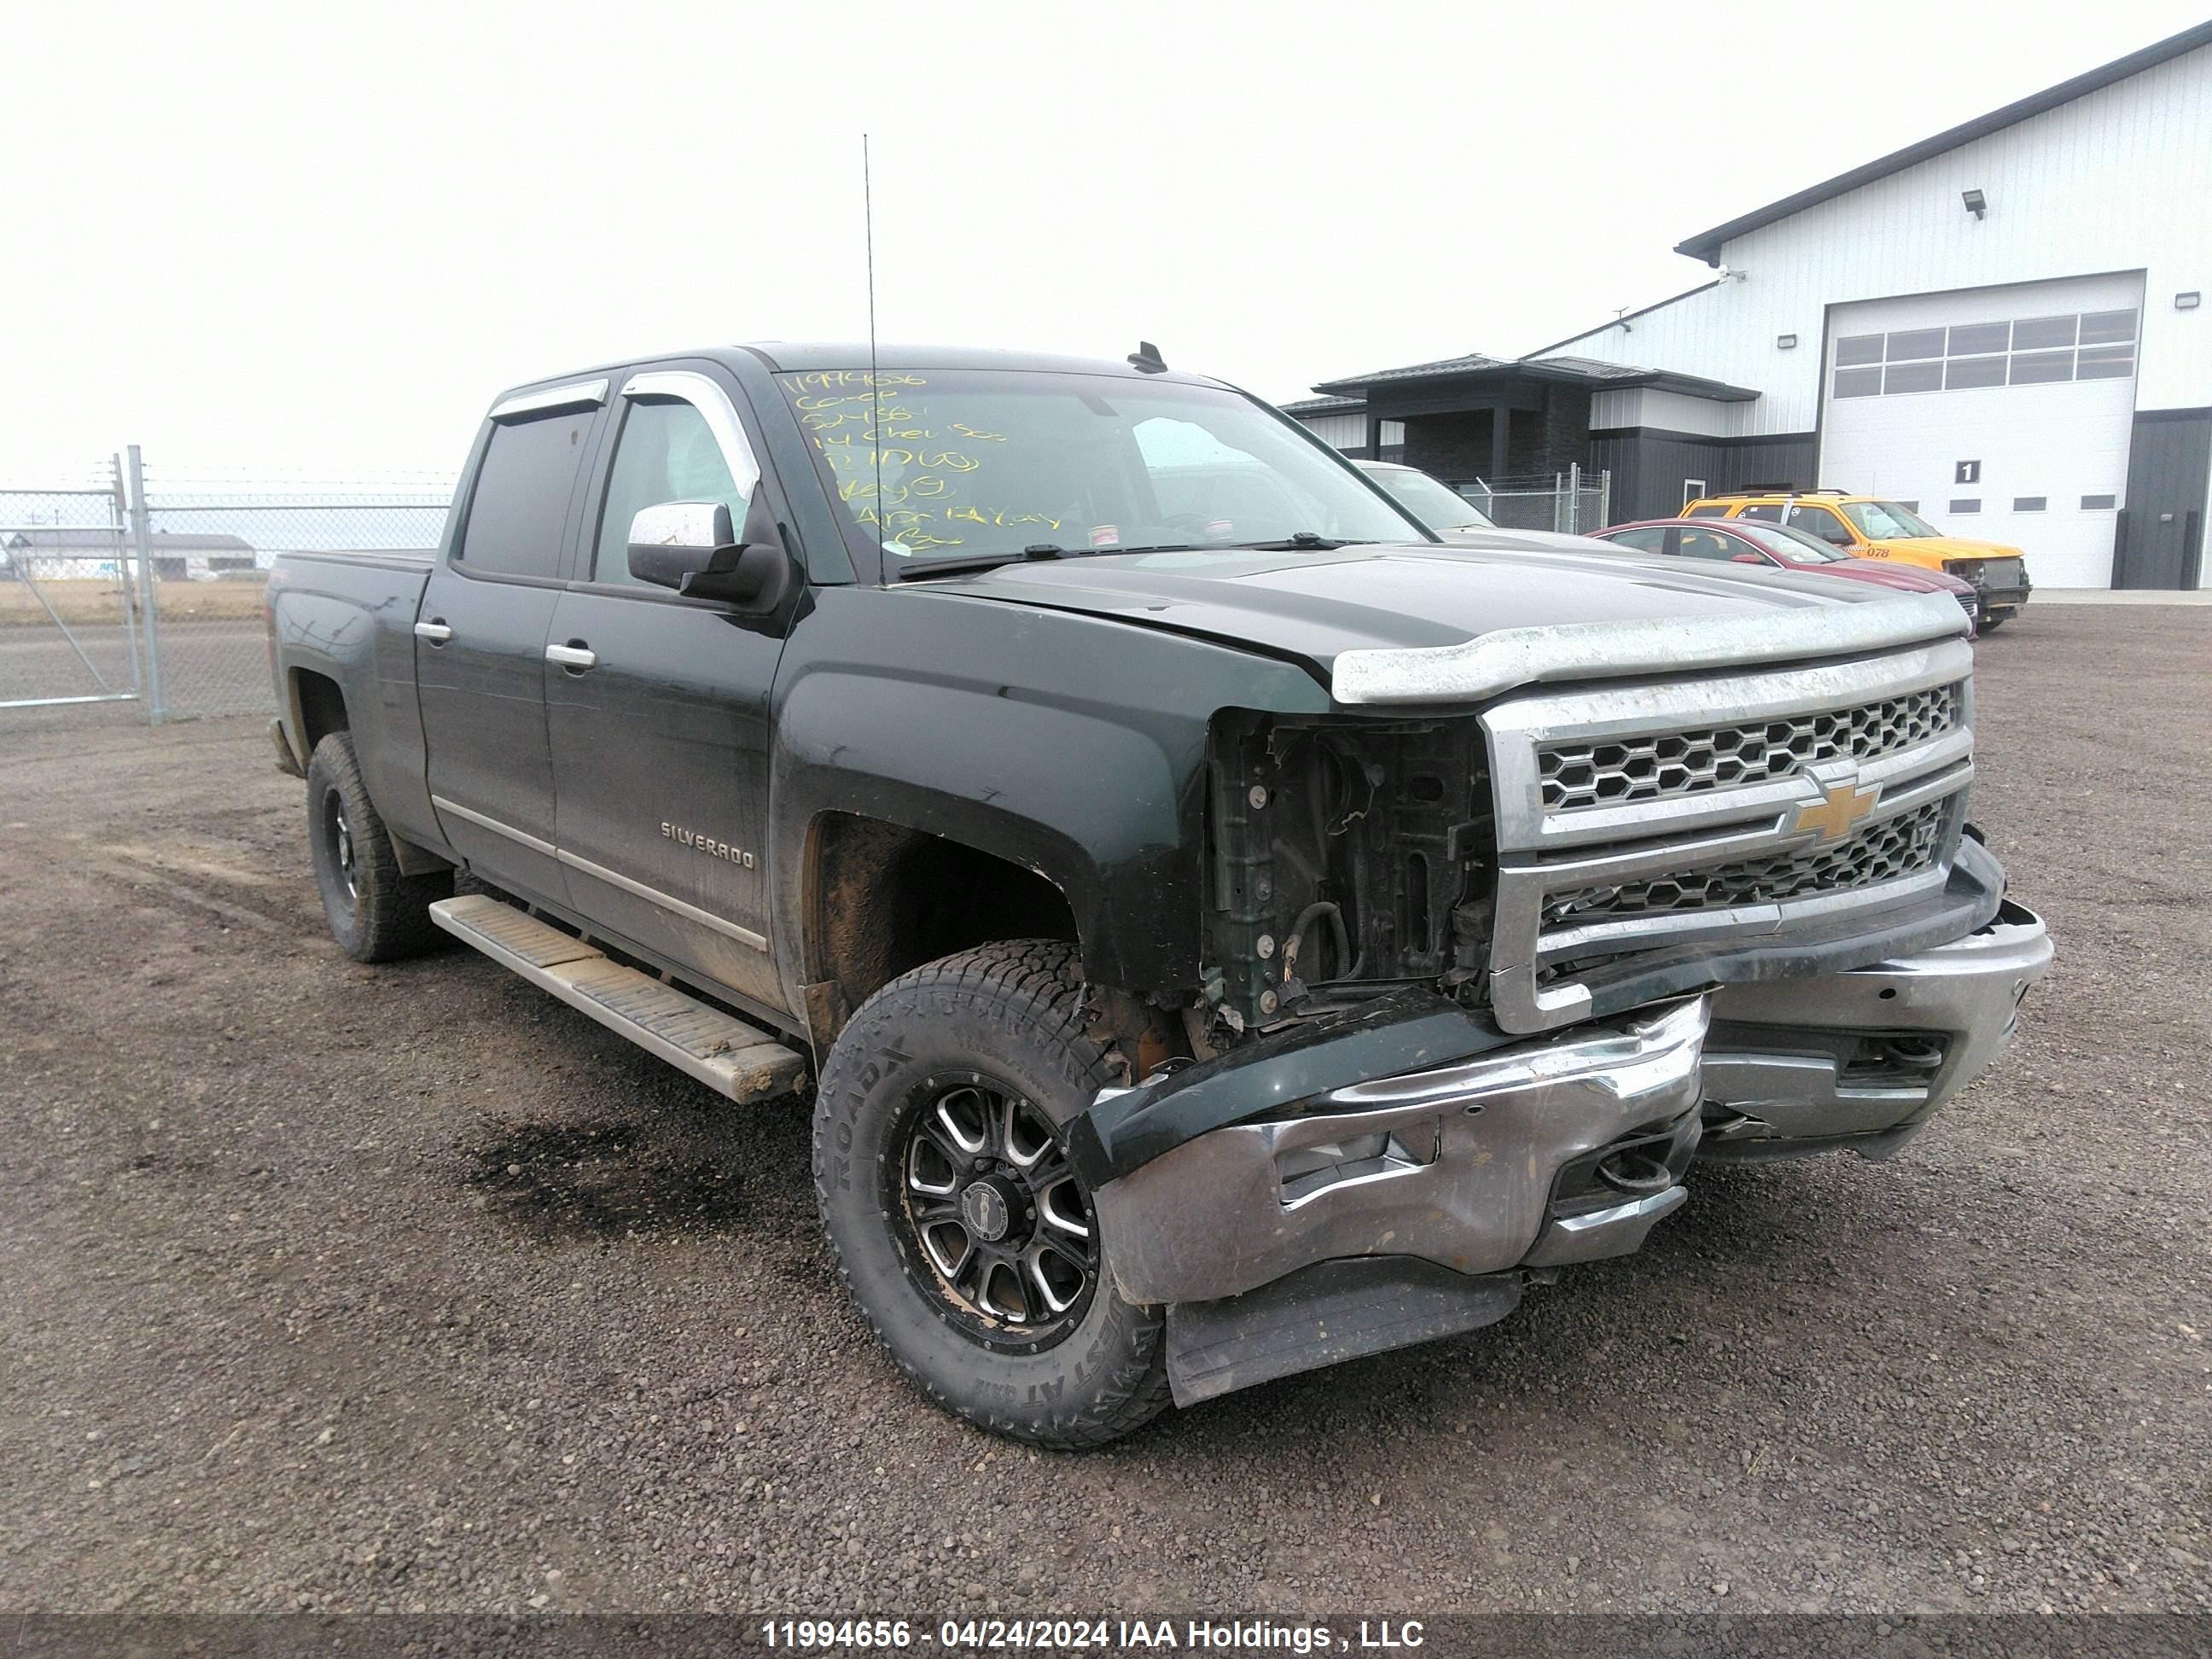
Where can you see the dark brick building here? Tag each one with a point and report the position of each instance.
(1482, 419)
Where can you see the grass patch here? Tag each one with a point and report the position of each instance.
(93, 603)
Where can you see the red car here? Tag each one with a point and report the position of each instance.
(1778, 547)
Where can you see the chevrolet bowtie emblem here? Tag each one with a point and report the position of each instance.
(1835, 813)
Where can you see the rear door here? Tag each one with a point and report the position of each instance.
(480, 640)
(658, 720)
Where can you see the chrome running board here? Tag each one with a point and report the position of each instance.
(723, 1052)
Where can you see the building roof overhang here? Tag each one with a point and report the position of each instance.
(1486, 379)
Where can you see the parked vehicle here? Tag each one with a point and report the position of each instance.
(1429, 499)
(1435, 506)
(1867, 527)
(1782, 547)
(1232, 931)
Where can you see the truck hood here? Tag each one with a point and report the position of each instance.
(1525, 540)
(1312, 607)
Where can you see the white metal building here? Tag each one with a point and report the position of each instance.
(2003, 325)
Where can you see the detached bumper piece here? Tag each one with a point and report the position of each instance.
(1861, 1060)
(1324, 1315)
(1370, 1214)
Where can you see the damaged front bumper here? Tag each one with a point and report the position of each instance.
(1458, 1164)
(1861, 1060)
(1352, 1206)
(1401, 1173)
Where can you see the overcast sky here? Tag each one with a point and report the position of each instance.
(320, 237)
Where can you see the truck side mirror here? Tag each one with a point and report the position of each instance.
(690, 547)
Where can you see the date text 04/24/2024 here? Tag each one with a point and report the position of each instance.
(1076, 1635)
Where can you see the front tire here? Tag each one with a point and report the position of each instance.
(970, 1245)
(376, 914)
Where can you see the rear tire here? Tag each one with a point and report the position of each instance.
(376, 914)
(999, 1303)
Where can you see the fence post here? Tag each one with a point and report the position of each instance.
(119, 522)
(1574, 498)
(141, 536)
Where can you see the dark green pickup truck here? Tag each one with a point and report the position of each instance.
(1229, 930)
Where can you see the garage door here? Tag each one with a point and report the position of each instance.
(2000, 413)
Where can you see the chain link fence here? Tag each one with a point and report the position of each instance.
(212, 539)
(1573, 503)
(134, 585)
(69, 627)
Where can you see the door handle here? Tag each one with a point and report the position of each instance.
(436, 632)
(574, 657)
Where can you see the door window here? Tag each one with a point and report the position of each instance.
(1709, 545)
(1820, 521)
(1644, 541)
(666, 453)
(519, 506)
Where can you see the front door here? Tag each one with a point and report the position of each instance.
(480, 650)
(659, 717)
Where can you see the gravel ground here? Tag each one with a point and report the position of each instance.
(341, 1287)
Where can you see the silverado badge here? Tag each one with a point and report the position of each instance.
(1835, 813)
(707, 844)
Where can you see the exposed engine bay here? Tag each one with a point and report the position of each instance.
(1345, 857)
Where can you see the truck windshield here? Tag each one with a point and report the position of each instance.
(1886, 521)
(1431, 501)
(936, 465)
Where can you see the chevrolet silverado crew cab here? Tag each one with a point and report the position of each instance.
(1227, 930)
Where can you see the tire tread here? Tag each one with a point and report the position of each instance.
(392, 919)
(1040, 979)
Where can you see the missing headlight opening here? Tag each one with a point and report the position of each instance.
(1346, 857)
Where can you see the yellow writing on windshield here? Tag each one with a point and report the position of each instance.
(900, 519)
(999, 515)
(920, 481)
(830, 379)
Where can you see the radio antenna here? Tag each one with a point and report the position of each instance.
(875, 376)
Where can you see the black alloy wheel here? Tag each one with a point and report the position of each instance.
(1002, 1229)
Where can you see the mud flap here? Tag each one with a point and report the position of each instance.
(1324, 1315)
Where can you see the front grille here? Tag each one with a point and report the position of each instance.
(1972, 601)
(1616, 771)
(1901, 846)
